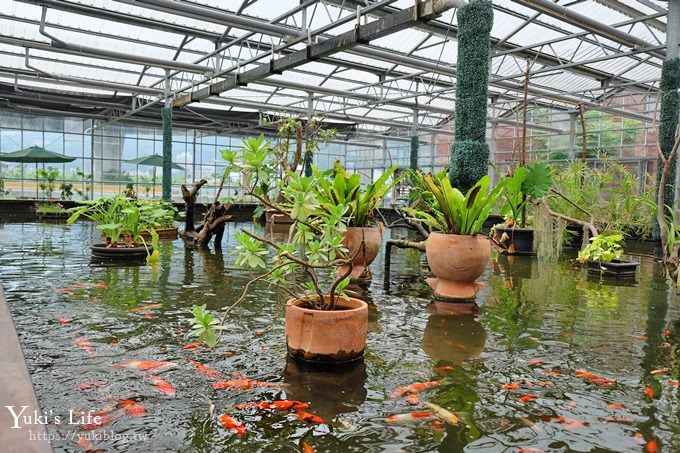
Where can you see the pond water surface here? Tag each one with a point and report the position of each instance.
(553, 361)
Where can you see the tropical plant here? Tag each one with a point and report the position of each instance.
(118, 218)
(49, 208)
(160, 214)
(66, 191)
(603, 248)
(2, 186)
(47, 180)
(524, 185)
(346, 189)
(86, 185)
(444, 208)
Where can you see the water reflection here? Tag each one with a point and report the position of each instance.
(453, 334)
(329, 390)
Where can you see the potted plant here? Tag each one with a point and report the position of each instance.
(603, 257)
(363, 236)
(120, 220)
(456, 253)
(524, 185)
(323, 324)
(161, 215)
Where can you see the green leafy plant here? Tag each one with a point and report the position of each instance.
(523, 186)
(204, 326)
(444, 208)
(66, 191)
(603, 248)
(346, 189)
(49, 208)
(86, 185)
(47, 180)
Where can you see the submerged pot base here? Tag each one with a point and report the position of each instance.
(449, 291)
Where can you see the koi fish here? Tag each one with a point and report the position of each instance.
(616, 406)
(655, 372)
(570, 423)
(132, 407)
(552, 372)
(617, 420)
(144, 365)
(639, 438)
(649, 391)
(241, 384)
(673, 383)
(85, 345)
(67, 291)
(232, 424)
(530, 450)
(413, 388)
(145, 308)
(64, 321)
(581, 374)
(100, 286)
(85, 444)
(194, 345)
(531, 362)
(100, 419)
(411, 417)
(527, 398)
(306, 448)
(444, 369)
(511, 386)
(308, 417)
(162, 385)
(437, 424)
(651, 446)
(205, 370)
(667, 333)
(91, 385)
(601, 381)
(259, 405)
(287, 405)
(443, 414)
(413, 399)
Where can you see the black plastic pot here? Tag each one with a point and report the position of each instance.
(120, 253)
(613, 269)
(521, 238)
(574, 237)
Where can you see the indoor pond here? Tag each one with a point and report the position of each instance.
(554, 361)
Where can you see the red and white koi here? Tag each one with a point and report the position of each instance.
(162, 385)
(144, 365)
(233, 425)
(206, 370)
(413, 388)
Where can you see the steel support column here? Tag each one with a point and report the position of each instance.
(166, 115)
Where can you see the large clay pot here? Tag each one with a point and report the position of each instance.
(325, 336)
(457, 261)
(363, 244)
(274, 216)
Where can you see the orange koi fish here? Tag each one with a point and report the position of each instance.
(91, 385)
(655, 372)
(582, 374)
(444, 369)
(616, 406)
(100, 286)
(232, 424)
(259, 405)
(162, 385)
(287, 405)
(306, 448)
(144, 308)
(511, 386)
(673, 383)
(194, 345)
(651, 446)
(552, 372)
(205, 370)
(64, 321)
(531, 362)
(241, 384)
(411, 417)
(667, 333)
(144, 365)
(308, 417)
(413, 399)
(413, 388)
(100, 419)
(570, 423)
(85, 345)
(649, 391)
(132, 407)
(527, 398)
(601, 381)
(617, 420)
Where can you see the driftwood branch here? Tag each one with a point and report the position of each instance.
(189, 197)
(585, 225)
(411, 223)
(404, 244)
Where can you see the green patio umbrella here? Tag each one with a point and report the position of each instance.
(38, 155)
(154, 160)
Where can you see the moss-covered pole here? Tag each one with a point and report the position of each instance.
(415, 142)
(166, 116)
(470, 152)
(670, 98)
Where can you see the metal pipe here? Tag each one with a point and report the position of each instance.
(673, 30)
(587, 23)
(129, 58)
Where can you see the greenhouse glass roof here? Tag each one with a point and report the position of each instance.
(109, 59)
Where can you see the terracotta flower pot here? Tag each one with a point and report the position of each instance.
(274, 216)
(367, 241)
(457, 261)
(323, 336)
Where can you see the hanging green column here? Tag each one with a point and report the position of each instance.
(415, 147)
(166, 115)
(470, 152)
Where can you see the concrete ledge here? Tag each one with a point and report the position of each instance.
(16, 389)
